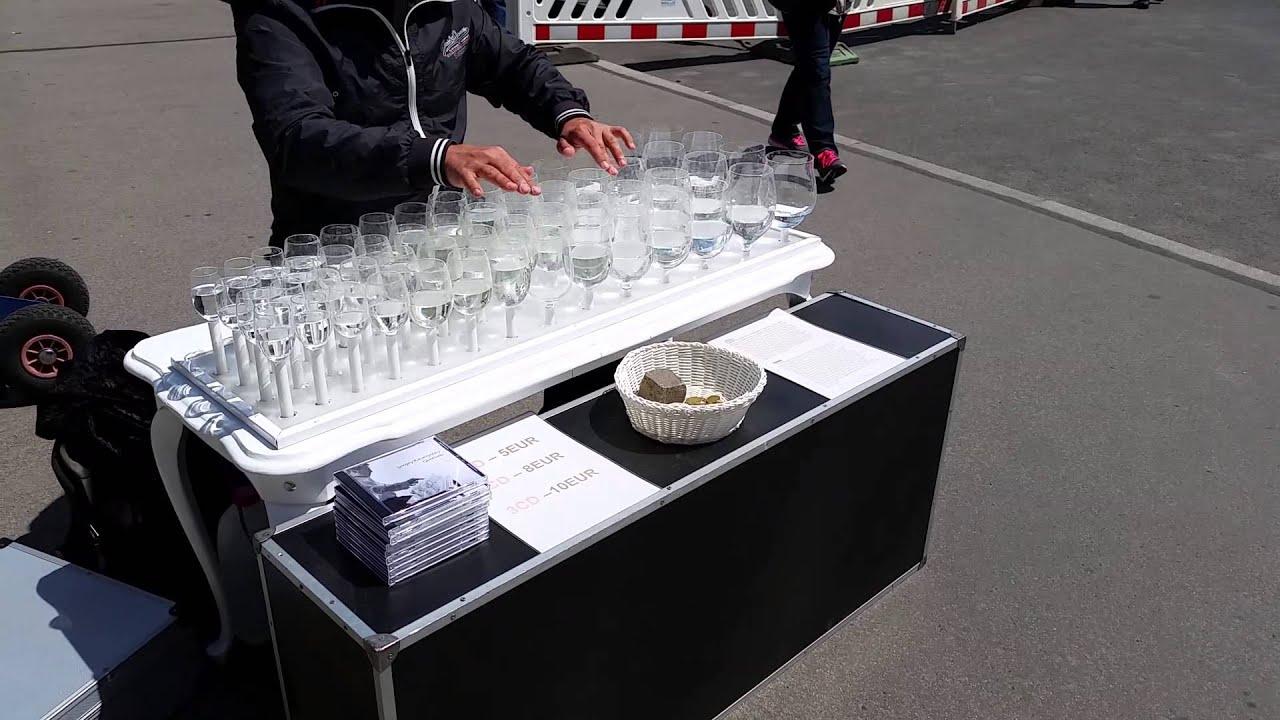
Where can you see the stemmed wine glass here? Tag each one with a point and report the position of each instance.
(206, 287)
(589, 260)
(472, 286)
(314, 326)
(374, 245)
(339, 234)
(411, 214)
(431, 301)
(447, 202)
(378, 223)
(703, 140)
(302, 245)
(590, 179)
(510, 263)
(274, 331)
(550, 278)
(268, 256)
(670, 217)
(662, 153)
(751, 197)
(350, 318)
(632, 254)
(237, 281)
(796, 187)
(389, 310)
(337, 254)
(708, 182)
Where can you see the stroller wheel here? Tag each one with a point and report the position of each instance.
(37, 341)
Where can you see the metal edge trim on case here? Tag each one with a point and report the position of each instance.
(411, 633)
(823, 638)
(319, 594)
(942, 458)
(271, 626)
(384, 689)
(891, 311)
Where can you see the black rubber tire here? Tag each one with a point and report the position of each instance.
(28, 273)
(34, 321)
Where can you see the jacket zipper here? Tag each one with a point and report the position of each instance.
(401, 43)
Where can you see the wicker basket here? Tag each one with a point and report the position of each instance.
(704, 369)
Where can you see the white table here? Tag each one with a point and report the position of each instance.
(294, 479)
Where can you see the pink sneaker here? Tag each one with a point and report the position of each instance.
(828, 166)
(795, 143)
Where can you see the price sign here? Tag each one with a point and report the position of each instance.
(546, 487)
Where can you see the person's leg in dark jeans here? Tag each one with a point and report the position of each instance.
(807, 96)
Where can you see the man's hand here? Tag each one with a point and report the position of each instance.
(466, 165)
(603, 142)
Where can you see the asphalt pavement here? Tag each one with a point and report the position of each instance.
(1163, 118)
(1105, 535)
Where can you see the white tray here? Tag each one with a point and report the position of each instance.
(456, 363)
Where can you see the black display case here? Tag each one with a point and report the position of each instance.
(756, 547)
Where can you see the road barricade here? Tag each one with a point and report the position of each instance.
(968, 7)
(577, 21)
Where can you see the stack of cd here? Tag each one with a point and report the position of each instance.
(411, 508)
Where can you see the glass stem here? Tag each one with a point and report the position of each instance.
(511, 321)
(354, 364)
(280, 370)
(433, 347)
(264, 377)
(242, 364)
(393, 357)
(746, 250)
(549, 314)
(588, 295)
(317, 376)
(784, 236)
(626, 289)
(706, 264)
(473, 333)
(666, 276)
(219, 352)
(331, 354)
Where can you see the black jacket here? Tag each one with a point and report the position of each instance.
(356, 103)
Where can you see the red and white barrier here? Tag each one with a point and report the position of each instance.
(969, 7)
(561, 21)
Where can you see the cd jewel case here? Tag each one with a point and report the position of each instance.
(411, 508)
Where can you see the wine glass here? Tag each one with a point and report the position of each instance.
(632, 167)
(485, 214)
(472, 286)
(796, 188)
(339, 234)
(373, 245)
(703, 140)
(662, 133)
(268, 256)
(750, 199)
(558, 191)
(662, 153)
(708, 181)
(670, 217)
(477, 236)
(550, 278)
(510, 265)
(350, 319)
(413, 237)
(259, 298)
(589, 260)
(206, 287)
(274, 330)
(388, 295)
(411, 213)
(315, 329)
(449, 202)
(627, 192)
(378, 223)
(632, 254)
(550, 170)
(337, 255)
(237, 281)
(517, 204)
(302, 245)
(590, 179)
(431, 301)
(591, 218)
(552, 216)
(268, 274)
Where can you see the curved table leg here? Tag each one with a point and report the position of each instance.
(166, 433)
